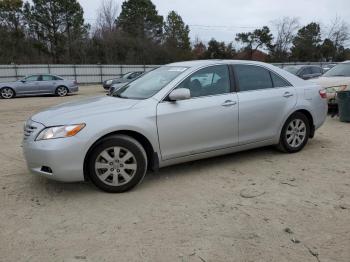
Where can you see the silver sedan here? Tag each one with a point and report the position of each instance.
(177, 113)
(38, 85)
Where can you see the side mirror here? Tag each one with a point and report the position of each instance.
(180, 94)
(23, 80)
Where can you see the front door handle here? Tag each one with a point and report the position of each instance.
(287, 94)
(229, 103)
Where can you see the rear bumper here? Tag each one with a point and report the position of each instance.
(74, 89)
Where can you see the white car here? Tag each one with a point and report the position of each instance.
(176, 113)
(334, 80)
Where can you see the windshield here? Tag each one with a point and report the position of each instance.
(149, 84)
(339, 70)
(292, 69)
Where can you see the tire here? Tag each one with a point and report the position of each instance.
(7, 93)
(61, 91)
(117, 174)
(292, 139)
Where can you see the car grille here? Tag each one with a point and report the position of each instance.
(31, 128)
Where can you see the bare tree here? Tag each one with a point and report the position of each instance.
(286, 29)
(106, 15)
(338, 32)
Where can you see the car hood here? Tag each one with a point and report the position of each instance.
(69, 113)
(326, 82)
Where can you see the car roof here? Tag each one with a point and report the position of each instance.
(196, 63)
(303, 66)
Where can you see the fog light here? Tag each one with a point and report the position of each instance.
(46, 169)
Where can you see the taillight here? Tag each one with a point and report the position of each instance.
(323, 94)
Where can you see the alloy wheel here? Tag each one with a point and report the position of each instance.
(7, 93)
(62, 91)
(115, 166)
(296, 133)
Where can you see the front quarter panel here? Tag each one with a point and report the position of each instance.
(140, 118)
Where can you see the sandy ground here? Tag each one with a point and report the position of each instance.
(259, 205)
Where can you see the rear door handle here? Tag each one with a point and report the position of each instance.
(287, 94)
(229, 103)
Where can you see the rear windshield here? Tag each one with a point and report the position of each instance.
(292, 69)
(339, 70)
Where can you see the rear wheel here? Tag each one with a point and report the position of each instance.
(7, 93)
(61, 91)
(117, 164)
(295, 133)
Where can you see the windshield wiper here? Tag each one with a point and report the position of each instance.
(338, 75)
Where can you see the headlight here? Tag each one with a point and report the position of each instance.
(60, 131)
(109, 82)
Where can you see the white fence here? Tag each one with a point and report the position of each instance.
(85, 74)
(82, 73)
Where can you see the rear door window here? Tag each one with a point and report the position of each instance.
(252, 77)
(279, 81)
(47, 78)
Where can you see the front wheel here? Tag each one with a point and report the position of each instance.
(61, 91)
(295, 133)
(117, 164)
(7, 93)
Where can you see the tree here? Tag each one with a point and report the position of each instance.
(328, 50)
(11, 14)
(106, 16)
(176, 33)
(139, 18)
(199, 49)
(259, 38)
(339, 32)
(306, 44)
(56, 25)
(11, 30)
(219, 50)
(286, 29)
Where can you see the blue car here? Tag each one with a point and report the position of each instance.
(43, 84)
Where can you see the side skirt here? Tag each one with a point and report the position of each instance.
(225, 151)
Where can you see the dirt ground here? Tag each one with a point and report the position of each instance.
(259, 205)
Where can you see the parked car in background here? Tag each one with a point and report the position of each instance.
(115, 87)
(176, 113)
(305, 71)
(41, 84)
(334, 80)
(327, 67)
(123, 79)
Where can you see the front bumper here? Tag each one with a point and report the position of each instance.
(106, 87)
(59, 159)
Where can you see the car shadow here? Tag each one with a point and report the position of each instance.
(152, 178)
(187, 168)
(49, 95)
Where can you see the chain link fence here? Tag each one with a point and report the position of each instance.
(89, 74)
(83, 74)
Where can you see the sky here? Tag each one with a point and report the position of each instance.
(222, 19)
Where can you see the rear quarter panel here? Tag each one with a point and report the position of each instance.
(309, 99)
